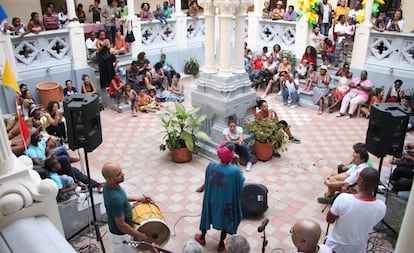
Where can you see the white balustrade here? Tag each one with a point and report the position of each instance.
(277, 32)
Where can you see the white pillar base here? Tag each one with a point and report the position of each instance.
(181, 30)
(303, 28)
(77, 37)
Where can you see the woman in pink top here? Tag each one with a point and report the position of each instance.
(121, 46)
(359, 94)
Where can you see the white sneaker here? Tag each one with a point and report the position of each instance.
(248, 166)
(279, 93)
(292, 106)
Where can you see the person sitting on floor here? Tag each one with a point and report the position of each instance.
(359, 94)
(176, 91)
(234, 134)
(87, 86)
(53, 121)
(117, 89)
(305, 235)
(144, 101)
(336, 182)
(402, 176)
(265, 112)
(69, 89)
(376, 99)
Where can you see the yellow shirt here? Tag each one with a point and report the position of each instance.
(339, 10)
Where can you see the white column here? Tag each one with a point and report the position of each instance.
(254, 26)
(70, 6)
(404, 243)
(77, 42)
(210, 36)
(303, 31)
(368, 11)
(225, 19)
(178, 7)
(136, 46)
(6, 155)
(239, 37)
(361, 41)
(181, 30)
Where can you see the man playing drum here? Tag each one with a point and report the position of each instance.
(119, 210)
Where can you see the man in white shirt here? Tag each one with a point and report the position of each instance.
(316, 39)
(355, 215)
(325, 16)
(305, 234)
(355, 11)
(63, 15)
(340, 32)
(91, 46)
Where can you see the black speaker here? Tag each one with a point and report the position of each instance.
(254, 199)
(386, 130)
(83, 121)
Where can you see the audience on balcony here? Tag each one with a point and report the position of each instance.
(396, 24)
(339, 10)
(121, 47)
(63, 15)
(91, 46)
(321, 89)
(316, 39)
(87, 86)
(290, 15)
(35, 25)
(193, 9)
(96, 11)
(325, 17)
(353, 13)
(109, 13)
(80, 14)
(395, 93)
(159, 14)
(167, 10)
(358, 94)
(51, 19)
(146, 14)
(381, 22)
(266, 10)
(122, 14)
(69, 89)
(278, 12)
(176, 91)
(16, 27)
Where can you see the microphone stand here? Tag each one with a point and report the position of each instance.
(264, 244)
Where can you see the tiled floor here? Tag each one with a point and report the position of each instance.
(294, 180)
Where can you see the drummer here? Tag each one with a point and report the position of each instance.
(119, 210)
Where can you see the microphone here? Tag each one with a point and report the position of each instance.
(263, 225)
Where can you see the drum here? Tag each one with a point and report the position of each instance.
(149, 220)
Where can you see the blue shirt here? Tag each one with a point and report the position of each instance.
(55, 177)
(290, 16)
(38, 151)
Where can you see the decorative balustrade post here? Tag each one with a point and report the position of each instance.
(136, 46)
(210, 38)
(76, 37)
(180, 28)
(361, 41)
(227, 8)
(303, 31)
(254, 27)
(239, 36)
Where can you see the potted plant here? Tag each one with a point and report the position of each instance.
(267, 133)
(192, 66)
(181, 131)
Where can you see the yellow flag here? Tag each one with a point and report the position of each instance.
(9, 79)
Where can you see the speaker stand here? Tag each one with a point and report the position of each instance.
(264, 243)
(95, 222)
(386, 194)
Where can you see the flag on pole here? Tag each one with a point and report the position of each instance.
(9, 80)
(3, 14)
(24, 130)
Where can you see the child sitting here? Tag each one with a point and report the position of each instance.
(144, 102)
(159, 89)
(133, 97)
(310, 77)
(153, 100)
(301, 70)
(328, 52)
(64, 183)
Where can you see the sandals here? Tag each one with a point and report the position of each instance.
(197, 237)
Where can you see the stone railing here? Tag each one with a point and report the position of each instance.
(391, 50)
(37, 51)
(155, 35)
(277, 32)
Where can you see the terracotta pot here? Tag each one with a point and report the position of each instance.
(263, 151)
(49, 90)
(181, 155)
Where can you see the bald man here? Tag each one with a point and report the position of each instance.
(119, 210)
(305, 235)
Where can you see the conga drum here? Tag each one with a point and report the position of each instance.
(149, 220)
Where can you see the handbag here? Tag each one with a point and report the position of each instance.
(129, 37)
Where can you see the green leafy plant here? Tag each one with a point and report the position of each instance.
(192, 66)
(291, 56)
(181, 127)
(266, 130)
